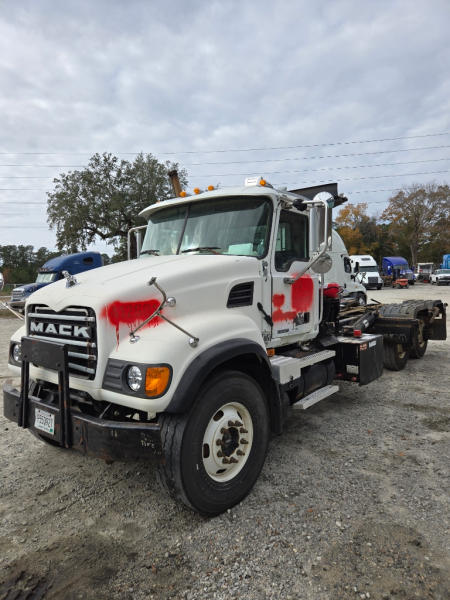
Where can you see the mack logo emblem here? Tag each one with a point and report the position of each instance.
(80, 331)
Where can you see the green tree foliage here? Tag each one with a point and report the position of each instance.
(104, 200)
(21, 263)
(419, 218)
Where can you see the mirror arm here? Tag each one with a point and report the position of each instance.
(312, 203)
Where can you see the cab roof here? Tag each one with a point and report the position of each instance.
(244, 190)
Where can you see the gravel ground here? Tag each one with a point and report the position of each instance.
(352, 503)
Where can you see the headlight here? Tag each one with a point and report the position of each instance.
(16, 353)
(134, 378)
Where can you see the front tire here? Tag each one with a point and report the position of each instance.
(214, 454)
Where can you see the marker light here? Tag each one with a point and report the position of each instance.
(197, 191)
(262, 182)
(183, 194)
(210, 188)
(156, 380)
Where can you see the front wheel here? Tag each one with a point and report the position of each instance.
(214, 454)
(395, 356)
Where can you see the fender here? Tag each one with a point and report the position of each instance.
(202, 366)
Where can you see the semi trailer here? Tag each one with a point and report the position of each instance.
(193, 354)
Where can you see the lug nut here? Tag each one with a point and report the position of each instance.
(237, 424)
(219, 442)
(233, 460)
(244, 441)
(242, 430)
(220, 454)
(231, 424)
(225, 461)
(223, 430)
(239, 452)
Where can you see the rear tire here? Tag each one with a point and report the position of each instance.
(395, 356)
(214, 454)
(419, 344)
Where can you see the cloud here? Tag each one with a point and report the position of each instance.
(85, 77)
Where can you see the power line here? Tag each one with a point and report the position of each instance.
(313, 157)
(341, 143)
(302, 158)
(308, 181)
(411, 162)
(342, 168)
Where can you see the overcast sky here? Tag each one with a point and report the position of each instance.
(300, 92)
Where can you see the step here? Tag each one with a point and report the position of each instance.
(315, 397)
(285, 367)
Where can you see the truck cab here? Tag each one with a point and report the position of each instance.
(366, 270)
(397, 267)
(343, 273)
(52, 271)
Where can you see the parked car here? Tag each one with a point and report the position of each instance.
(441, 277)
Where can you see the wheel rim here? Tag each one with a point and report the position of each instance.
(227, 442)
(401, 352)
(420, 339)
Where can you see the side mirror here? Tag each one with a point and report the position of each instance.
(356, 269)
(322, 264)
(321, 222)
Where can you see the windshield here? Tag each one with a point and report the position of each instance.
(229, 225)
(46, 277)
(364, 269)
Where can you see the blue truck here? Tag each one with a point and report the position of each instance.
(397, 267)
(445, 262)
(52, 271)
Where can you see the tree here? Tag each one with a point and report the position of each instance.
(21, 263)
(104, 199)
(350, 224)
(419, 219)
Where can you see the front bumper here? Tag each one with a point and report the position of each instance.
(109, 440)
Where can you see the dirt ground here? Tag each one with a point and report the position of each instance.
(352, 503)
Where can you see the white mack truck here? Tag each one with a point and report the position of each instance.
(193, 353)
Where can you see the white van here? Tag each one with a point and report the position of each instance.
(366, 270)
(341, 271)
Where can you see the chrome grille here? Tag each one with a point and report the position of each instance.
(15, 295)
(75, 326)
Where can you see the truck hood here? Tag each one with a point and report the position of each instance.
(127, 281)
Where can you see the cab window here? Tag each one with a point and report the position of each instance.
(292, 240)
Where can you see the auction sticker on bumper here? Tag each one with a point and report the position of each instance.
(44, 421)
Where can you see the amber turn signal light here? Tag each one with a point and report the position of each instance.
(156, 380)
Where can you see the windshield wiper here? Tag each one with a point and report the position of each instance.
(155, 252)
(199, 248)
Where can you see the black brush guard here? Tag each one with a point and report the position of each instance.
(107, 439)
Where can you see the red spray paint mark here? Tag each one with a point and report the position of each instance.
(130, 313)
(302, 293)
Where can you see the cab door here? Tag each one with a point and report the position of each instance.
(295, 304)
